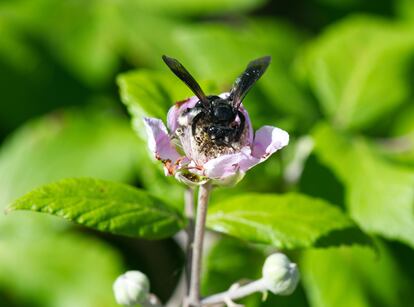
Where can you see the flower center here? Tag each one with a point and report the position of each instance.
(212, 140)
(204, 137)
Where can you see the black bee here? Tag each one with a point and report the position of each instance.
(219, 115)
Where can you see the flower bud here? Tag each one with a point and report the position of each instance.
(280, 275)
(131, 288)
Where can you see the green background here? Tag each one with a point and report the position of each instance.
(340, 82)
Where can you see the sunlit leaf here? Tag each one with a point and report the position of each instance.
(89, 142)
(289, 221)
(106, 206)
(357, 69)
(379, 194)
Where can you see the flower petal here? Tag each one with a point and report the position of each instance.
(227, 165)
(177, 109)
(159, 141)
(248, 124)
(267, 141)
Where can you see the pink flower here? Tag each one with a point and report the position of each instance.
(195, 155)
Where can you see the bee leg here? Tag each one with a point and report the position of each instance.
(240, 128)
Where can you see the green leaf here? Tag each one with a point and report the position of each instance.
(106, 206)
(357, 69)
(379, 194)
(352, 277)
(73, 143)
(287, 221)
(58, 270)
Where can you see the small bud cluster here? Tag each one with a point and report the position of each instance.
(131, 288)
(280, 275)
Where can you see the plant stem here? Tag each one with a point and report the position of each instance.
(234, 294)
(189, 213)
(193, 298)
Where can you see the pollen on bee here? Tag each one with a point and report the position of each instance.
(202, 144)
(207, 147)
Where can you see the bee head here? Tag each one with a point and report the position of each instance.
(221, 110)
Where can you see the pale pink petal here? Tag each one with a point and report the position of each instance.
(250, 132)
(227, 165)
(177, 109)
(267, 141)
(159, 141)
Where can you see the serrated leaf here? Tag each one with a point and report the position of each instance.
(72, 143)
(357, 69)
(106, 206)
(287, 221)
(379, 194)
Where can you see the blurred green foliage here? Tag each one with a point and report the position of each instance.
(341, 74)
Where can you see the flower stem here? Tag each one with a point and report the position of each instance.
(189, 213)
(234, 294)
(193, 298)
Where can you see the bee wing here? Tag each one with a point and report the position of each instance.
(179, 70)
(244, 82)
